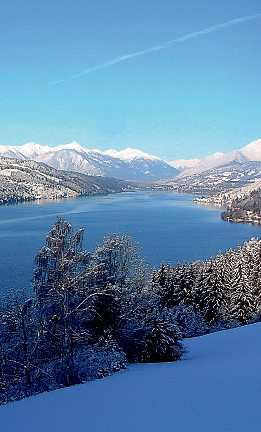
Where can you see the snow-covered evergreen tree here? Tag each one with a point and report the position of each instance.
(189, 321)
(211, 295)
(243, 302)
(162, 340)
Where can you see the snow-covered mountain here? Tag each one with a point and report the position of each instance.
(215, 160)
(251, 152)
(128, 164)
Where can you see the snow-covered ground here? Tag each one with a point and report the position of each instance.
(216, 388)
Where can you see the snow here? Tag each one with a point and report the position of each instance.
(32, 149)
(252, 151)
(8, 172)
(184, 163)
(215, 160)
(74, 145)
(4, 149)
(129, 154)
(215, 388)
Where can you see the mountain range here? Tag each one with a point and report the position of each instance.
(128, 164)
(251, 152)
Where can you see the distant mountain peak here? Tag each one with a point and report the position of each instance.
(32, 148)
(252, 151)
(74, 145)
(130, 154)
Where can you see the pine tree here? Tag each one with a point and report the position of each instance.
(243, 303)
(107, 315)
(170, 287)
(160, 283)
(188, 284)
(253, 251)
(162, 342)
(189, 321)
(160, 276)
(213, 296)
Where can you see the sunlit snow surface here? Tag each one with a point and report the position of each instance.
(216, 388)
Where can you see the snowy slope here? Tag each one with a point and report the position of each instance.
(215, 389)
(128, 164)
(225, 199)
(218, 180)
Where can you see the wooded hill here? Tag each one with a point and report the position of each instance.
(245, 209)
(29, 180)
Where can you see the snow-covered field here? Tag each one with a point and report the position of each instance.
(216, 388)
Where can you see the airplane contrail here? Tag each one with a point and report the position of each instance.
(162, 46)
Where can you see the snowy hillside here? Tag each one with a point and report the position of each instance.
(25, 180)
(128, 164)
(226, 198)
(216, 388)
(218, 180)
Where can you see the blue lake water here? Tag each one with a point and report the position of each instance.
(169, 227)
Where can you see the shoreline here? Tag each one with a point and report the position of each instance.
(229, 214)
(16, 202)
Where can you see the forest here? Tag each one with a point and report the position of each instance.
(250, 203)
(89, 314)
(26, 180)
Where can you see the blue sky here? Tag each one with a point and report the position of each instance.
(194, 98)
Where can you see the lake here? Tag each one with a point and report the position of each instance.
(169, 227)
